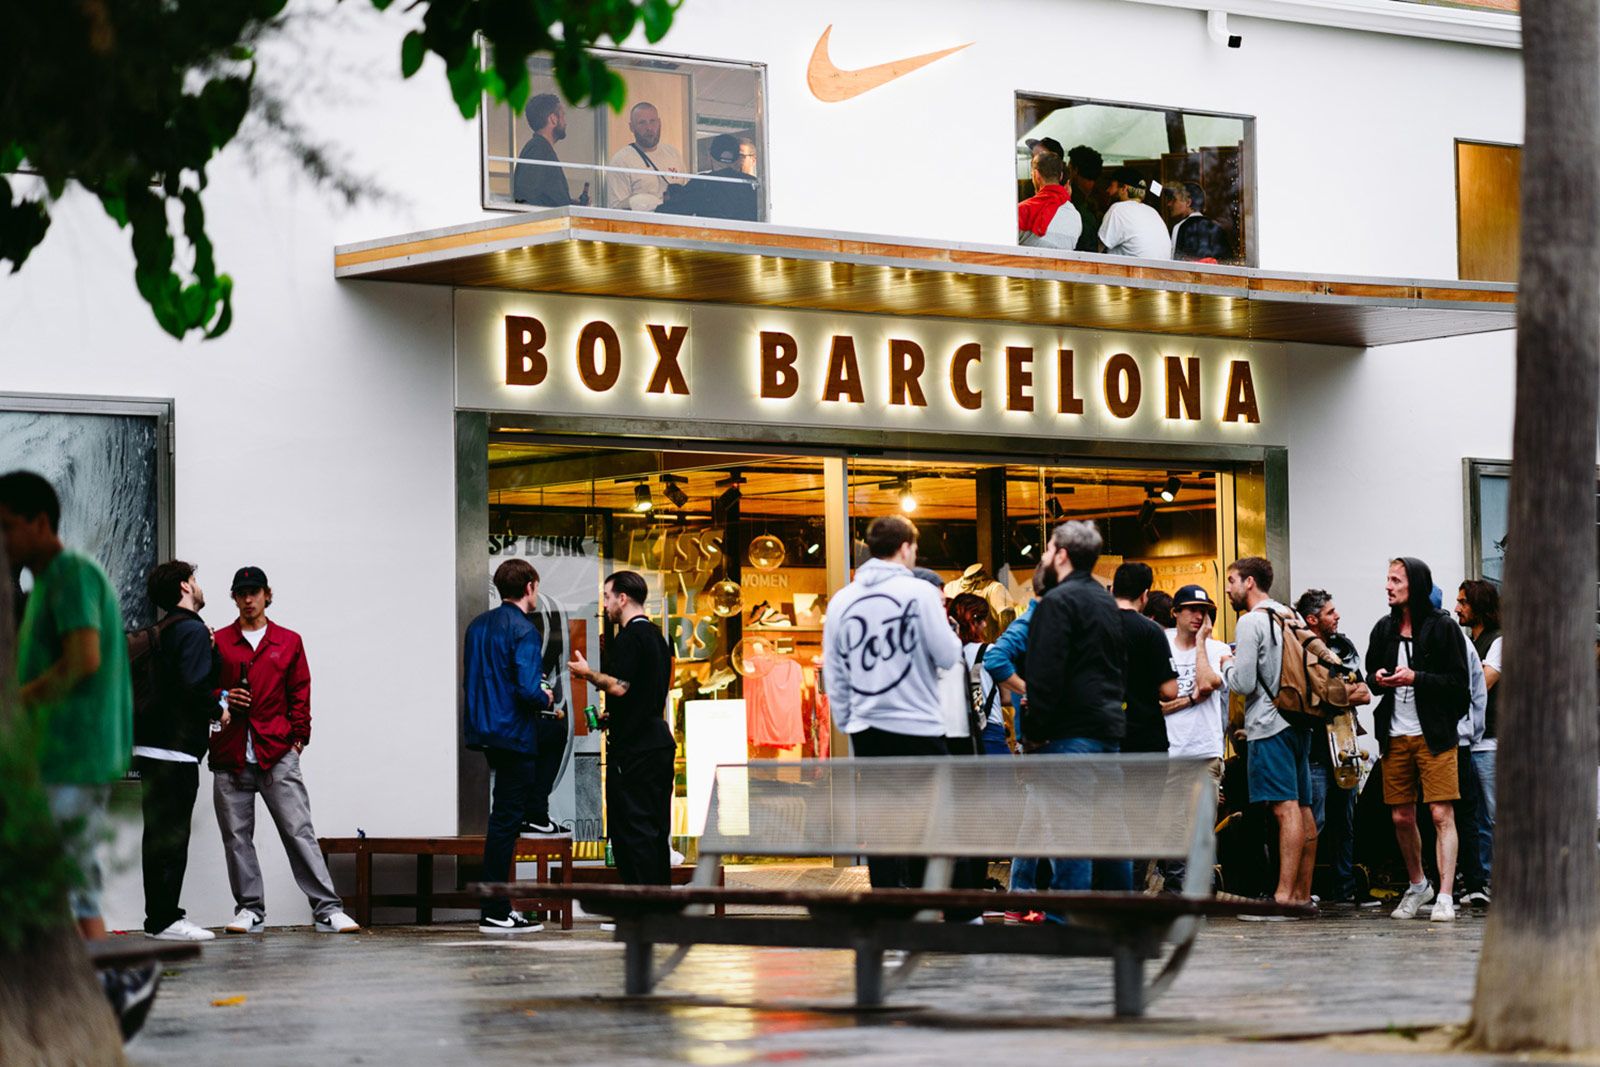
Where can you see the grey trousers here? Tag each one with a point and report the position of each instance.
(284, 791)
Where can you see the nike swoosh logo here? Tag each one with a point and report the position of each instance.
(830, 84)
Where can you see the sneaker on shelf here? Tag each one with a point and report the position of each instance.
(1411, 904)
(182, 930)
(131, 991)
(1013, 918)
(547, 828)
(1444, 911)
(1033, 916)
(1478, 898)
(607, 927)
(515, 923)
(337, 923)
(675, 856)
(246, 922)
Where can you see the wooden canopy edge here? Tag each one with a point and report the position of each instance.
(607, 253)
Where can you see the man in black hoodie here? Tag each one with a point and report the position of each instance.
(168, 740)
(1418, 663)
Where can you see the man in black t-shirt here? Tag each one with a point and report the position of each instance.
(637, 675)
(1149, 677)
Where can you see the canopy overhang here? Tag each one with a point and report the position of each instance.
(615, 254)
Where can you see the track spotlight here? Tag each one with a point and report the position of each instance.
(674, 490)
(1147, 512)
(908, 497)
(642, 502)
(1056, 511)
(1169, 492)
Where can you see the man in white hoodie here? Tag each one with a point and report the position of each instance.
(884, 643)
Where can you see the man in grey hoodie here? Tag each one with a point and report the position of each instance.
(1279, 752)
(885, 640)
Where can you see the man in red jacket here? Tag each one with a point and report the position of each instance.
(267, 690)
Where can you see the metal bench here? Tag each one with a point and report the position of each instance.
(1067, 807)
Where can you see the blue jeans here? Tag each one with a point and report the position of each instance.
(993, 740)
(1079, 874)
(79, 812)
(1483, 763)
(514, 777)
(1335, 810)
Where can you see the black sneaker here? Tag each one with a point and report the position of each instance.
(547, 828)
(515, 923)
(131, 990)
(1478, 898)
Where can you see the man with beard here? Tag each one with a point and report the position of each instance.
(1478, 609)
(1418, 660)
(649, 166)
(637, 675)
(538, 183)
(1279, 765)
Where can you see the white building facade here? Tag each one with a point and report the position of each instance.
(356, 436)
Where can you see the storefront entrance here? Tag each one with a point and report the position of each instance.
(743, 545)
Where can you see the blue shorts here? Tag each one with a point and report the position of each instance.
(1280, 767)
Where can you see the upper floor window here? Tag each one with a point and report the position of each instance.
(690, 141)
(1488, 211)
(1149, 182)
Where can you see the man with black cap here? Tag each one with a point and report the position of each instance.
(1197, 718)
(730, 194)
(1418, 661)
(266, 725)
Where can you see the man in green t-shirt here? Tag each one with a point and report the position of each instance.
(72, 664)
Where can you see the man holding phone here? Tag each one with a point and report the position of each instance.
(505, 696)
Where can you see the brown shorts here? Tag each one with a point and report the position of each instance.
(1409, 762)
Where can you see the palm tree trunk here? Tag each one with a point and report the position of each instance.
(52, 1009)
(1541, 949)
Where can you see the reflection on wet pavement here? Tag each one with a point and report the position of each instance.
(401, 995)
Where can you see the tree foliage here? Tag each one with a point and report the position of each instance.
(133, 99)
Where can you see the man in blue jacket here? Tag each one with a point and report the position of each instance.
(504, 699)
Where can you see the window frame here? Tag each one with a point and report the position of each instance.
(763, 180)
(1247, 160)
(1455, 167)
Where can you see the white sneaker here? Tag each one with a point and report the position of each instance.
(246, 922)
(337, 923)
(607, 927)
(1413, 900)
(676, 856)
(1444, 911)
(515, 923)
(183, 930)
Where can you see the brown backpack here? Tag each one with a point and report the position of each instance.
(1313, 683)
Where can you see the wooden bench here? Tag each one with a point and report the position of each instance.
(544, 852)
(681, 874)
(129, 950)
(1069, 807)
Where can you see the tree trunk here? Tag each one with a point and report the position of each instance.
(1541, 948)
(52, 1009)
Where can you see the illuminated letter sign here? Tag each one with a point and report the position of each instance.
(968, 398)
(1019, 379)
(668, 376)
(525, 362)
(1069, 403)
(844, 374)
(906, 363)
(779, 379)
(599, 334)
(1183, 388)
(1241, 394)
(1122, 386)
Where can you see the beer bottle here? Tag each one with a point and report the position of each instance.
(244, 680)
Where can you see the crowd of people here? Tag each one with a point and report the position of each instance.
(1078, 203)
(1090, 669)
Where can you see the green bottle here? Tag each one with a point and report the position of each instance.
(611, 857)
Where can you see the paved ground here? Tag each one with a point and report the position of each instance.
(1252, 994)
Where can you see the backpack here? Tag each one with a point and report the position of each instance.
(144, 645)
(1312, 682)
(978, 706)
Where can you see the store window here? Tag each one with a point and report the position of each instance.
(1193, 169)
(1489, 517)
(1488, 211)
(691, 140)
(982, 526)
